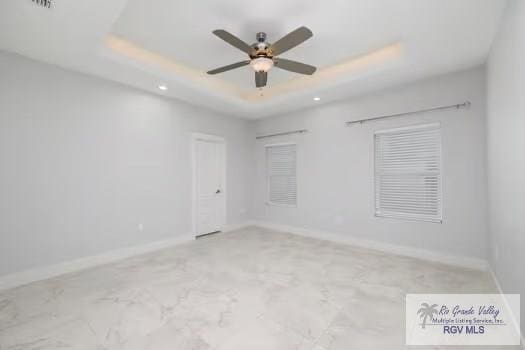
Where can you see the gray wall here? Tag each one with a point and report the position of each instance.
(335, 166)
(506, 151)
(84, 161)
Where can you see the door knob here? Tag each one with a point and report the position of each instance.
(218, 191)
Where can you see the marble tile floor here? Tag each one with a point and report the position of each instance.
(250, 289)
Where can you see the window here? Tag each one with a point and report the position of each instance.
(408, 173)
(281, 174)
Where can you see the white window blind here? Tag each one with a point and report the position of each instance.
(281, 174)
(408, 173)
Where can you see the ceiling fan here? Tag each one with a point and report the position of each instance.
(263, 55)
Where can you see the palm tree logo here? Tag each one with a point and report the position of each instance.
(426, 311)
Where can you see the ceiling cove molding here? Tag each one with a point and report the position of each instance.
(158, 64)
(334, 74)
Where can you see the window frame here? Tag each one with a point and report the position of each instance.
(410, 217)
(267, 177)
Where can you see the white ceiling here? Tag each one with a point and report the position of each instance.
(358, 45)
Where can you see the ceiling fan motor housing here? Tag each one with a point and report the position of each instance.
(261, 46)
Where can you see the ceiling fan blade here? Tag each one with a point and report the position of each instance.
(294, 66)
(229, 67)
(260, 79)
(291, 40)
(233, 41)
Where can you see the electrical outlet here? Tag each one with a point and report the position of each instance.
(140, 227)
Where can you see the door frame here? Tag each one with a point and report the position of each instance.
(196, 137)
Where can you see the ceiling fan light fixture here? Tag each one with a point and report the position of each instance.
(262, 64)
(262, 54)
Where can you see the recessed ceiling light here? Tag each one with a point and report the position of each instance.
(317, 99)
(163, 87)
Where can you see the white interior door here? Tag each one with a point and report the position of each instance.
(210, 197)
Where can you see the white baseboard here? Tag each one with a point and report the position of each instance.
(500, 290)
(41, 273)
(461, 261)
(36, 274)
